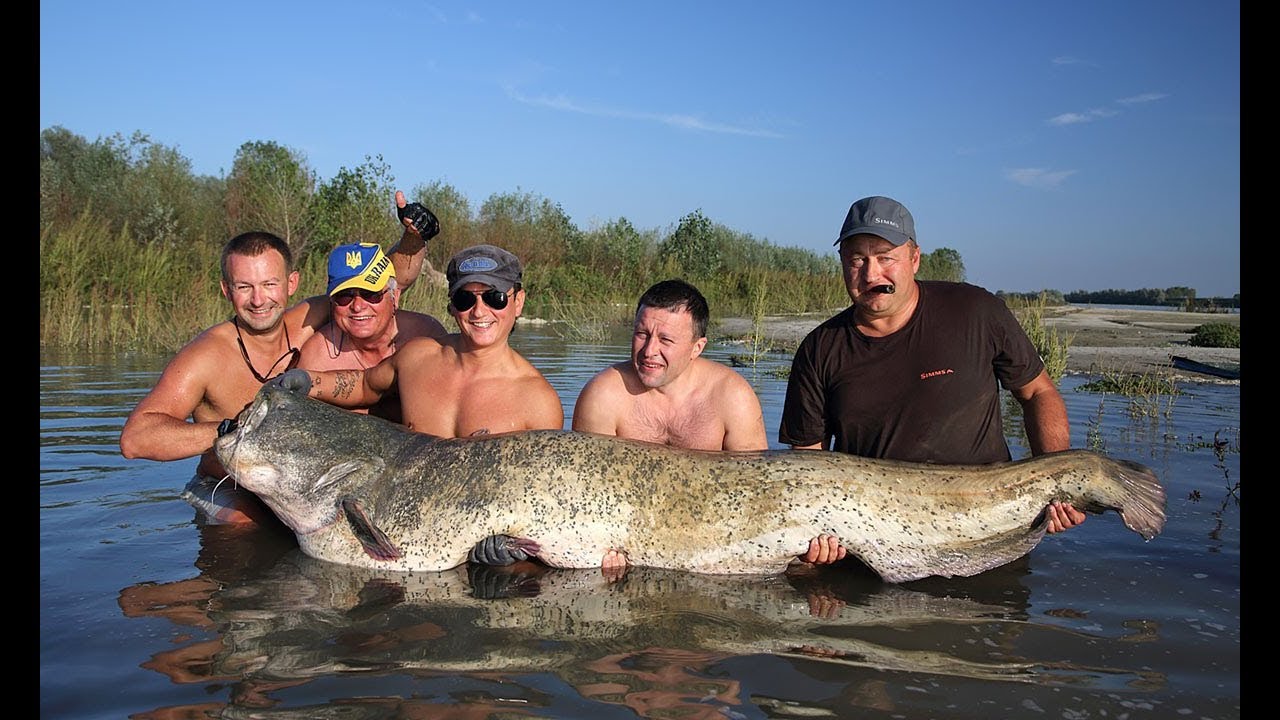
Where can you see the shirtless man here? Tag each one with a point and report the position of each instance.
(219, 372)
(667, 394)
(366, 325)
(466, 383)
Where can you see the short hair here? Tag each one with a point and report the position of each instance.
(675, 295)
(253, 244)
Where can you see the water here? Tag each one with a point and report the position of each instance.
(145, 614)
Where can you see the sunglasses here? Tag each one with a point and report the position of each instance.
(346, 297)
(462, 300)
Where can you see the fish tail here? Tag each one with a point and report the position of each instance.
(1144, 499)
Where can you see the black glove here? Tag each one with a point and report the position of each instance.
(424, 221)
(296, 380)
(497, 550)
(489, 583)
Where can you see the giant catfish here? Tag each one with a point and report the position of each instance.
(362, 491)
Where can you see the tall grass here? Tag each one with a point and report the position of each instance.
(104, 289)
(1149, 395)
(1051, 344)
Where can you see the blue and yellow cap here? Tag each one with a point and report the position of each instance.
(359, 265)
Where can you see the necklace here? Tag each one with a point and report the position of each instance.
(292, 351)
(355, 351)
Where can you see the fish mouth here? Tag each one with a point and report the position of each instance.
(231, 430)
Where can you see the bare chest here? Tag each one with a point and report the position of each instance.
(691, 424)
(451, 406)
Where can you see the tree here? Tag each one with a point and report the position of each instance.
(453, 210)
(270, 188)
(537, 230)
(355, 206)
(691, 246)
(131, 183)
(942, 264)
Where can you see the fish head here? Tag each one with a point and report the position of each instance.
(301, 456)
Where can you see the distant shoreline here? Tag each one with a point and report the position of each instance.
(1113, 339)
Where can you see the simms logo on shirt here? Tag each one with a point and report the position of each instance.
(935, 373)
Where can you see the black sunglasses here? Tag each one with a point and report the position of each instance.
(462, 300)
(346, 297)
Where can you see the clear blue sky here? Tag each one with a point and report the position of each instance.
(1079, 145)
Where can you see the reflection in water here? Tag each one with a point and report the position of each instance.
(1090, 626)
(653, 641)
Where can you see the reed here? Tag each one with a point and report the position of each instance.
(1052, 345)
(1149, 394)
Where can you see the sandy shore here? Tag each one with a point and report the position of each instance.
(1114, 340)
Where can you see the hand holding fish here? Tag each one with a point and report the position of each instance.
(295, 380)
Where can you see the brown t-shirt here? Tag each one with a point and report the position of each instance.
(926, 393)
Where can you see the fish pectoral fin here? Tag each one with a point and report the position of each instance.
(376, 543)
(373, 465)
(501, 549)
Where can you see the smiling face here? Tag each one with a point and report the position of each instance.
(366, 315)
(259, 287)
(663, 345)
(482, 325)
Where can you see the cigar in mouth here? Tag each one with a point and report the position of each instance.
(884, 289)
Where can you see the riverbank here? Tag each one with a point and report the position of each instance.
(1102, 339)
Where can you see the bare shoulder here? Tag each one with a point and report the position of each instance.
(209, 349)
(415, 324)
(611, 380)
(543, 409)
(197, 374)
(422, 348)
(713, 372)
(306, 317)
(317, 351)
(728, 385)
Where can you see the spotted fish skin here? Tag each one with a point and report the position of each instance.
(362, 491)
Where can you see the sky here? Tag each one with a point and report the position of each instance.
(1084, 145)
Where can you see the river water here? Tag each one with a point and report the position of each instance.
(146, 614)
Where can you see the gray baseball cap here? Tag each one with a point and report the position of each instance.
(486, 264)
(880, 216)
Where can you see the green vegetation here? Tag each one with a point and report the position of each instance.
(1049, 343)
(1180, 297)
(1149, 395)
(1216, 335)
(130, 241)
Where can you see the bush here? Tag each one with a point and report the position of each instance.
(1218, 335)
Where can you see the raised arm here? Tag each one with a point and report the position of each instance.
(407, 256)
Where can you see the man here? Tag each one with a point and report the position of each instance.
(466, 383)
(218, 373)
(912, 369)
(666, 393)
(366, 325)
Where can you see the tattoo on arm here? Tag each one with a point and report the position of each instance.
(345, 382)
